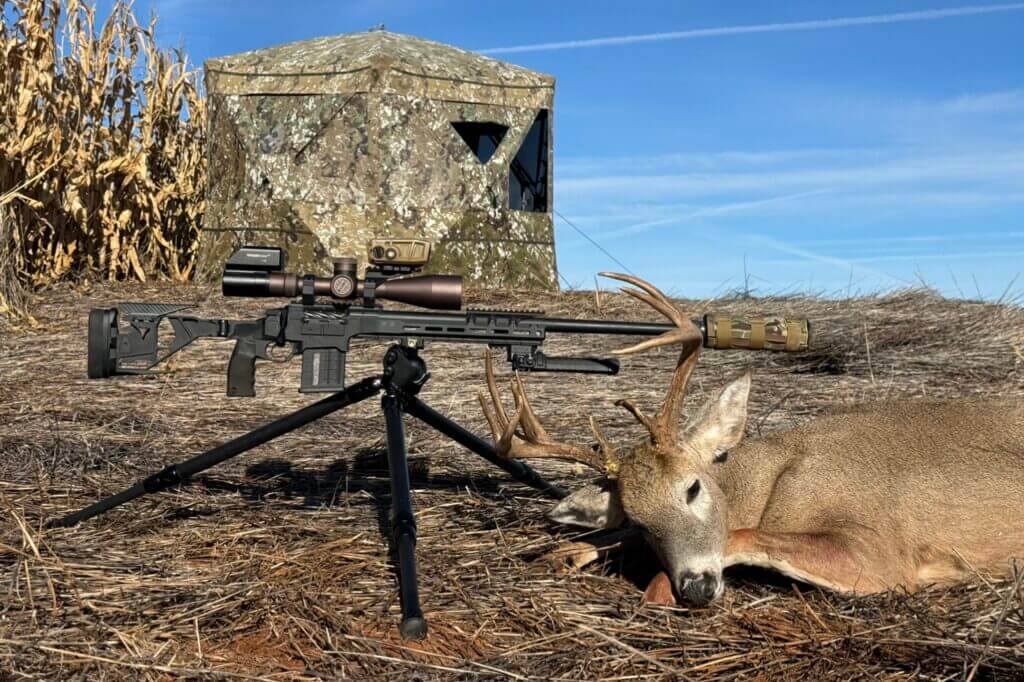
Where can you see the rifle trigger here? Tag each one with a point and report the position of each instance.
(281, 339)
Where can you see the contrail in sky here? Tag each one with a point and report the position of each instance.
(813, 25)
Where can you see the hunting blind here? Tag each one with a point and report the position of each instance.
(319, 146)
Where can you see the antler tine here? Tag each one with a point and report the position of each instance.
(685, 330)
(524, 436)
(662, 306)
(492, 387)
(605, 449)
(502, 428)
(666, 307)
(664, 426)
(532, 428)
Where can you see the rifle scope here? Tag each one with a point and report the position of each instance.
(257, 271)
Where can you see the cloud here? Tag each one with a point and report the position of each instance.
(960, 255)
(732, 202)
(987, 103)
(813, 25)
(841, 264)
(1004, 167)
(709, 161)
(709, 212)
(915, 239)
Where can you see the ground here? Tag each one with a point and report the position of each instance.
(275, 566)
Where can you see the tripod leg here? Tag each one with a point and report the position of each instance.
(403, 523)
(518, 470)
(178, 473)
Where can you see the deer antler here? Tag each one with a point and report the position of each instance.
(524, 437)
(664, 426)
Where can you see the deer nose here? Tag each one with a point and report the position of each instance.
(698, 589)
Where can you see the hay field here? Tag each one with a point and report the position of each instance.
(273, 566)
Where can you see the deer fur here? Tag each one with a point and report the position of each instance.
(899, 494)
(888, 495)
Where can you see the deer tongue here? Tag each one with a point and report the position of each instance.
(659, 590)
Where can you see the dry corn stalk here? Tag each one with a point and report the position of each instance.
(102, 166)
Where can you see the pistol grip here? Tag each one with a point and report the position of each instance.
(242, 368)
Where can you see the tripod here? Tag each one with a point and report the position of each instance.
(404, 375)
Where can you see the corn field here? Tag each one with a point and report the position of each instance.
(102, 164)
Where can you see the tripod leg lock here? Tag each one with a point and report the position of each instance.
(403, 526)
(162, 480)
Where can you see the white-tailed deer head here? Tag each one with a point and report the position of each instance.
(665, 483)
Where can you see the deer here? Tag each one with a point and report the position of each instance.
(893, 495)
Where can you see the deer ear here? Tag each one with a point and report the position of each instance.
(719, 427)
(595, 505)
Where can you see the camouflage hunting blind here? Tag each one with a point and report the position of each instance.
(319, 145)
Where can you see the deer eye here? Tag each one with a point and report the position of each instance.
(692, 492)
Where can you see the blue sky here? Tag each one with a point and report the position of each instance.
(856, 155)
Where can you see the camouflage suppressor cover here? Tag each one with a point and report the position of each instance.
(319, 146)
(756, 333)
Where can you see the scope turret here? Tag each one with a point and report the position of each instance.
(258, 272)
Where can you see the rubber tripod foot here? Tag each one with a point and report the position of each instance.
(413, 628)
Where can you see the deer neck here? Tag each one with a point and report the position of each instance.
(747, 478)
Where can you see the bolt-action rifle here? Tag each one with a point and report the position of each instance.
(124, 340)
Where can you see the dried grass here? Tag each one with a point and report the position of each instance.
(12, 291)
(273, 566)
(102, 162)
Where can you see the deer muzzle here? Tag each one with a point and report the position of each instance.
(699, 589)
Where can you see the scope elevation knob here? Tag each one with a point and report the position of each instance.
(343, 284)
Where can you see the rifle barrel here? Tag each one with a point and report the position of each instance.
(569, 326)
(719, 331)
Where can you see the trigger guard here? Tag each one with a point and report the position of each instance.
(272, 353)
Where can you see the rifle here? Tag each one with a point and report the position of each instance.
(321, 333)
